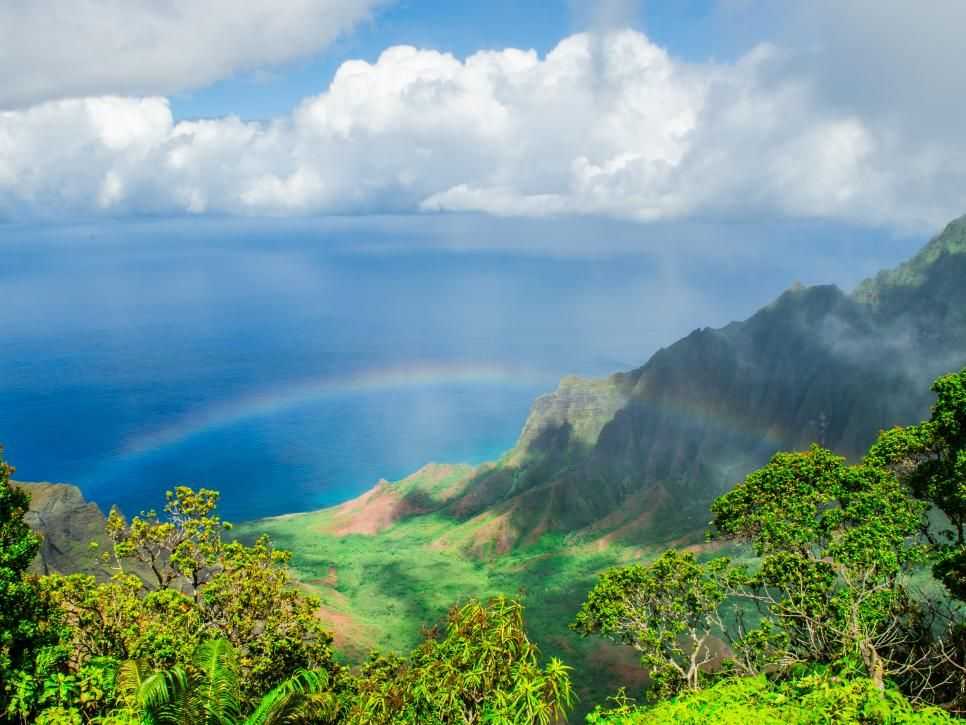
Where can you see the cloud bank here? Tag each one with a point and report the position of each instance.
(57, 48)
(606, 124)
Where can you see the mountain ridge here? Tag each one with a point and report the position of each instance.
(596, 455)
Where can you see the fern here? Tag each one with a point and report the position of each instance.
(209, 693)
(215, 696)
(304, 697)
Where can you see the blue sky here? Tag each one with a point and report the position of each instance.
(691, 29)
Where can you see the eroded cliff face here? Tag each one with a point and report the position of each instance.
(67, 523)
(815, 365)
(570, 418)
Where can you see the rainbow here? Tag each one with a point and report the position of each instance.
(271, 401)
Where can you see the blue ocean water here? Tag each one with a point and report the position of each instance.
(108, 342)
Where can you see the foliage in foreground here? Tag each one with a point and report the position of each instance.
(199, 630)
(837, 546)
(208, 691)
(834, 541)
(484, 669)
(25, 615)
(816, 699)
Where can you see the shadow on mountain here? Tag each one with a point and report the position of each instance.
(816, 365)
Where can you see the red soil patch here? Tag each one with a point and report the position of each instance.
(374, 511)
(349, 636)
(385, 504)
(494, 537)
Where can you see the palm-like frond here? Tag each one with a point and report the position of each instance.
(216, 694)
(209, 693)
(161, 695)
(302, 698)
(130, 676)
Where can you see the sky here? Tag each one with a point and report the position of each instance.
(552, 120)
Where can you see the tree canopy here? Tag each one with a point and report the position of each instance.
(836, 548)
(196, 628)
(25, 627)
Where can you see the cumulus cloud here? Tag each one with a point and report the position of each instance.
(606, 124)
(53, 49)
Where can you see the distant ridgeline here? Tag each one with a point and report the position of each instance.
(637, 457)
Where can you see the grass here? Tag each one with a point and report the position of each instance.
(382, 590)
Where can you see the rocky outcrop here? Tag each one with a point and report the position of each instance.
(67, 523)
(570, 418)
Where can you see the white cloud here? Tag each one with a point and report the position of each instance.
(52, 49)
(606, 124)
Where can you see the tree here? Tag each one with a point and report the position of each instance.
(25, 617)
(482, 669)
(667, 610)
(834, 540)
(178, 583)
(180, 549)
(930, 459)
(275, 628)
(118, 619)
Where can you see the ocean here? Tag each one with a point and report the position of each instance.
(287, 374)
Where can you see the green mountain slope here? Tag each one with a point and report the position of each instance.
(639, 455)
(816, 364)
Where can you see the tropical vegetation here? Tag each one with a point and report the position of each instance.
(835, 614)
